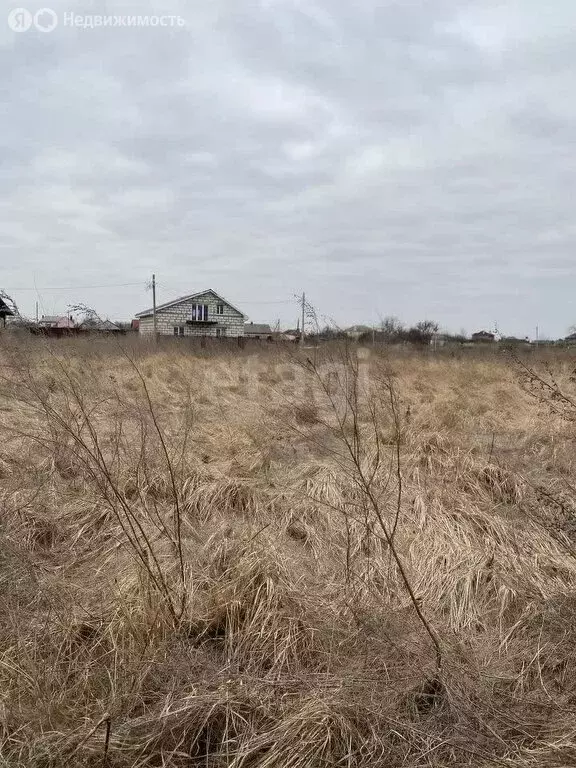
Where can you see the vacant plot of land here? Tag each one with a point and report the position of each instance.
(278, 560)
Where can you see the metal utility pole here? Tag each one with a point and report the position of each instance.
(154, 304)
(303, 311)
(36, 313)
(537, 339)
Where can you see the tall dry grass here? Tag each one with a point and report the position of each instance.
(281, 559)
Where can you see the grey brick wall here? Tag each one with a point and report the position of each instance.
(230, 324)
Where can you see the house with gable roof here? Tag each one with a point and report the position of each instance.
(198, 314)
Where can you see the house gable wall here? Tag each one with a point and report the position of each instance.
(177, 315)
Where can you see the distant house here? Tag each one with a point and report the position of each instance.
(571, 339)
(483, 336)
(56, 321)
(356, 331)
(198, 314)
(293, 334)
(5, 312)
(100, 326)
(55, 326)
(258, 331)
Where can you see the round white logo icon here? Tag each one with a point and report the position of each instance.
(20, 20)
(45, 20)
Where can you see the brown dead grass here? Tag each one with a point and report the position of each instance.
(286, 638)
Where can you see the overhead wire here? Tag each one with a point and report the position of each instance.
(76, 287)
(37, 289)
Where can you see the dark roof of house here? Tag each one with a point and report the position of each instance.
(99, 325)
(483, 334)
(257, 328)
(167, 304)
(5, 310)
(571, 337)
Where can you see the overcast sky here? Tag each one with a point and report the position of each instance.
(390, 157)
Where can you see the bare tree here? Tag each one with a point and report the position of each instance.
(391, 327)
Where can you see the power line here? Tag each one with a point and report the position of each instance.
(278, 301)
(77, 287)
(126, 285)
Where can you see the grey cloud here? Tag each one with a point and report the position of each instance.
(413, 158)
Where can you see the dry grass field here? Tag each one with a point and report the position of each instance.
(262, 559)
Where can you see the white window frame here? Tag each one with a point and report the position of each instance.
(200, 312)
(219, 309)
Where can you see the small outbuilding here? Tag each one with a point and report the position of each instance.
(258, 331)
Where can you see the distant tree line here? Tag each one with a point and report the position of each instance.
(389, 331)
(392, 331)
